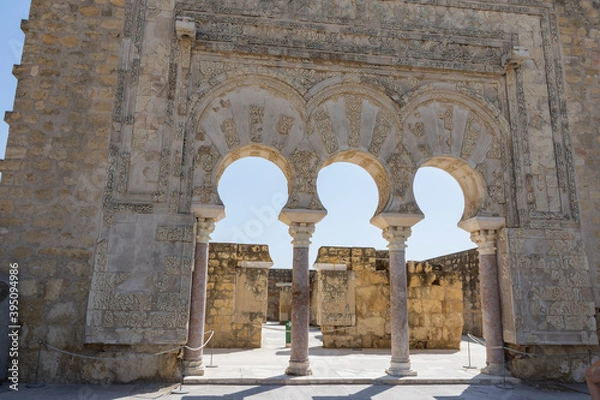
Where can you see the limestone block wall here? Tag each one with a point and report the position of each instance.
(466, 265)
(371, 329)
(276, 276)
(435, 306)
(354, 303)
(236, 294)
(52, 188)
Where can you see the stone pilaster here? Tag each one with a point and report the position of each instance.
(302, 225)
(484, 232)
(205, 225)
(396, 230)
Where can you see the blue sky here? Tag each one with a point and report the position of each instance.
(254, 190)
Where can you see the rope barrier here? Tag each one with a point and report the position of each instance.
(129, 356)
(481, 342)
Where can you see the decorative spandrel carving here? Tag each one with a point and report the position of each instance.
(472, 133)
(446, 116)
(353, 113)
(383, 127)
(325, 129)
(285, 124)
(402, 171)
(256, 115)
(207, 158)
(305, 164)
(230, 132)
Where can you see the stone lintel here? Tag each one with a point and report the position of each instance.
(215, 212)
(385, 220)
(330, 267)
(283, 284)
(255, 264)
(289, 216)
(482, 223)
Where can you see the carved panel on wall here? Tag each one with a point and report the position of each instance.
(140, 296)
(546, 288)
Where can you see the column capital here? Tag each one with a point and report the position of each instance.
(396, 237)
(204, 227)
(484, 232)
(485, 240)
(301, 232)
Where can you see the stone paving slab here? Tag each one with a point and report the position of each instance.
(340, 366)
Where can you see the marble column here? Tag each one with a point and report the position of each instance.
(400, 364)
(192, 359)
(484, 232)
(301, 227)
(396, 230)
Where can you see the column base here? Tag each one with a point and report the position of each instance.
(495, 370)
(298, 368)
(400, 369)
(193, 368)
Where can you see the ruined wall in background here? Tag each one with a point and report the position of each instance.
(353, 300)
(236, 294)
(466, 265)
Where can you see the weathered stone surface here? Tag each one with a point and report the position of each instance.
(115, 115)
(236, 300)
(434, 295)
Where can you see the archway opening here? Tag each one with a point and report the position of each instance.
(350, 196)
(442, 201)
(254, 191)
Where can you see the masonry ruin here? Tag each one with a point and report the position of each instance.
(127, 113)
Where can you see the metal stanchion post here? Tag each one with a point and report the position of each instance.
(504, 385)
(180, 390)
(212, 351)
(469, 353)
(36, 385)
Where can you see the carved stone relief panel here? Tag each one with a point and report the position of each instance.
(141, 281)
(546, 288)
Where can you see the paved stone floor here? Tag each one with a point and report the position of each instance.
(337, 374)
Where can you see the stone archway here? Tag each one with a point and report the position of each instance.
(439, 125)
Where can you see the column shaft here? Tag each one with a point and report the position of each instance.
(198, 303)
(398, 308)
(491, 310)
(300, 306)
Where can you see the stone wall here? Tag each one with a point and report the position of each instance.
(435, 306)
(121, 123)
(466, 265)
(579, 31)
(236, 294)
(353, 301)
(282, 276)
(276, 275)
(53, 182)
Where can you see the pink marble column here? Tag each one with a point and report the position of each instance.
(192, 359)
(490, 301)
(299, 364)
(400, 364)
(484, 232)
